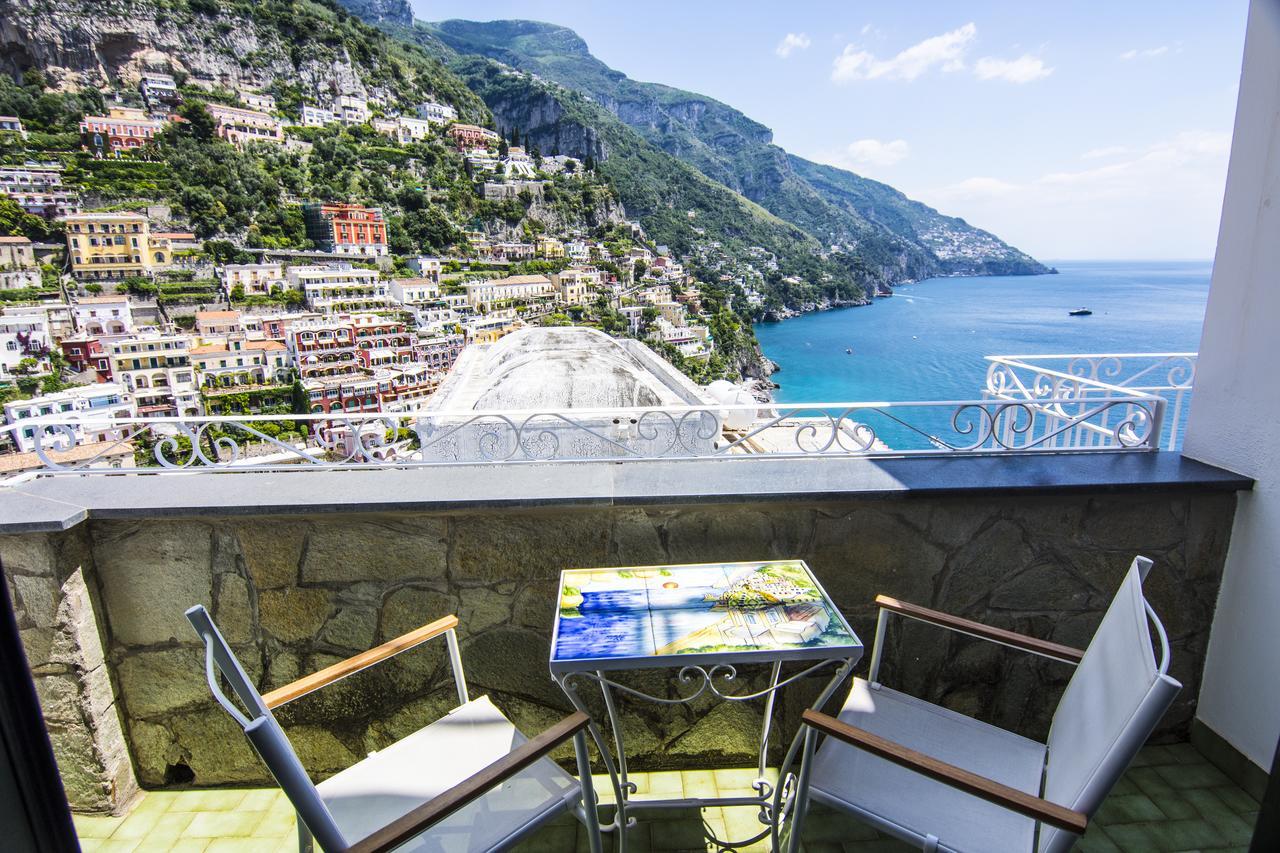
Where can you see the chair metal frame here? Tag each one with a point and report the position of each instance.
(314, 819)
(815, 724)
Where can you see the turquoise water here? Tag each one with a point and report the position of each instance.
(927, 342)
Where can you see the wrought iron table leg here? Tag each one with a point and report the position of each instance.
(619, 818)
(779, 798)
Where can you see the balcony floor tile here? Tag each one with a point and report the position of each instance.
(1170, 800)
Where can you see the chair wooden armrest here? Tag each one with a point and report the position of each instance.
(957, 777)
(402, 829)
(341, 669)
(1045, 648)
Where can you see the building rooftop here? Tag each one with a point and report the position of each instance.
(562, 368)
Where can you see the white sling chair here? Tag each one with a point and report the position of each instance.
(943, 781)
(469, 781)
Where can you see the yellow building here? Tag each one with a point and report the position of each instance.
(112, 246)
(550, 247)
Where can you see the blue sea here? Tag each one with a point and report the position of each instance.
(927, 342)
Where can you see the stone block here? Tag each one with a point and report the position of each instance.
(508, 546)
(635, 539)
(869, 551)
(272, 550)
(351, 628)
(511, 661)
(36, 597)
(535, 605)
(28, 554)
(80, 767)
(480, 609)
(1042, 586)
(412, 607)
(38, 645)
(160, 682)
(320, 752)
(149, 575)
(60, 700)
(980, 567)
(293, 614)
(725, 534)
(233, 610)
(400, 549)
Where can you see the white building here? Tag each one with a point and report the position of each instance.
(103, 316)
(415, 291)
(484, 294)
(575, 286)
(318, 116)
(342, 288)
(351, 109)
(436, 113)
(37, 188)
(74, 405)
(158, 87)
(258, 101)
(426, 267)
(17, 264)
(256, 279)
(156, 369)
(23, 334)
(412, 129)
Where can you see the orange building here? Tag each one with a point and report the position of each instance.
(347, 228)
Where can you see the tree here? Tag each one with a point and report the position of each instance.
(515, 136)
(639, 270)
(14, 221)
(93, 287)
(299, 402)
(199, 124)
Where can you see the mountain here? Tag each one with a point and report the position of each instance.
(836, 207)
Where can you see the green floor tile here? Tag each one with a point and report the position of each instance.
(1237, 799)
(1169, 835)
(1193, 776)
(223, 825)
(1128, 809)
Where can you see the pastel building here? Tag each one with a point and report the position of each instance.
(239, 126)
(122, 130)
(103, 246)
(330, 290)
(156, 369)
(254, 279)
(87, 411)
(346, 228)
(436, 113)
(37, 188)
(103, 316)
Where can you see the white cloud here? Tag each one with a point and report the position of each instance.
(1157, 200)
(1024, 69)
(876, 153)
(791, 42)
(1149, 53)
(945, 51)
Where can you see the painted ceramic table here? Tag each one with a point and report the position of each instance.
(702, 622)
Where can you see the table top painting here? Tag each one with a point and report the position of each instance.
(709, 612)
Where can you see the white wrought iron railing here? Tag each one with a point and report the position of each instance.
(1030, 404)
(412, 439)
(1059, 387)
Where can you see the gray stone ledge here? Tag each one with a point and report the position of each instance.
(59, 503)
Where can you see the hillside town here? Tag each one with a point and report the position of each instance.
(130, 317)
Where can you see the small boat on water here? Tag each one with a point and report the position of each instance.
(1080, 312)
(848, 350)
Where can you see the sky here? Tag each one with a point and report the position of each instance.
(1077, 130)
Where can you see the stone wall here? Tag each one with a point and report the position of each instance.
(294, 594)
(60, 627)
